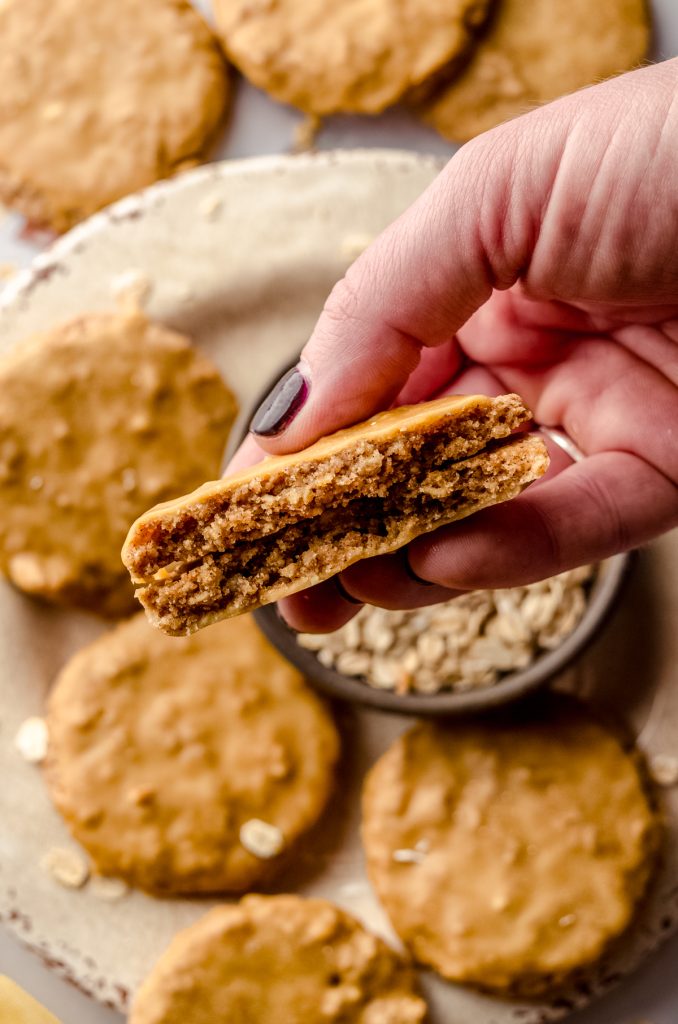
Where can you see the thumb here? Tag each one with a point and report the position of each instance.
(470, 232)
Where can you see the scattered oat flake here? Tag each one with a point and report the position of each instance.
(408, 856)
(664, 769)
(67, 867)
(31, 740)
(209, 207)
(109, 890)
(261, 839)
(129, 479)
(353, 890)
(132, 286)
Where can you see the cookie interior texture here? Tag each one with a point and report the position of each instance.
(161, 750)
(319, 965)
(356, 57)
(293, 521)
(532, 840)
(102, 99)
(534, 51)
(99, 417)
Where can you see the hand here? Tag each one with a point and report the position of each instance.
(543, 260)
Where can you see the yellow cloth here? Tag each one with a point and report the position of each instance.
(17, 1007)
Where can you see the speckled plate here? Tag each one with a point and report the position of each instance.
(241, 256)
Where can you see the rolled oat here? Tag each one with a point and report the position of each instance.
(466, 643)
(261, 839)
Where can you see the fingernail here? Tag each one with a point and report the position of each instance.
(343, 592)
(281, 404)
(411, 573)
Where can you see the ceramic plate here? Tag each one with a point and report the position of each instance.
(241, 256)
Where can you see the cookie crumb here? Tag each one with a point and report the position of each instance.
(109, 890)
(31, 740)
(261, 839)
(67, 867)
(664, 769)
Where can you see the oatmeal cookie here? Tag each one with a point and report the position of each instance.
(358, 56)
(100, 99)
(187, 765)
(534, 52)
(509, 852)
(319, 964)
(99, 417)
(295, 520)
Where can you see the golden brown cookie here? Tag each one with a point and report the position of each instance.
(357, 57)
(508, 853)
(100, 99)
(292, 521)
(535, 51)
(278, 960)
(187, 765)
(99, 417)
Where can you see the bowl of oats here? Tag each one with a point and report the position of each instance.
(480, 650)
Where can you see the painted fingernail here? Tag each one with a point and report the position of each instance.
(281, 404)
(411, 573)
(343, 592)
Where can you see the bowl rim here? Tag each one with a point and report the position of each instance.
(606, 589)
(611, 575)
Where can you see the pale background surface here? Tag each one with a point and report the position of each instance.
(259, 126)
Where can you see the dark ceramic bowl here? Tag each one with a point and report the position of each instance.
(602, 595)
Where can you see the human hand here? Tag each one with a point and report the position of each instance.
(542, 260)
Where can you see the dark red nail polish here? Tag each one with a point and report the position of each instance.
(281, 404)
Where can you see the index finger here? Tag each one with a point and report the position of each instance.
(470, 231)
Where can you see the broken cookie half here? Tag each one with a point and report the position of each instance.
(294, 520)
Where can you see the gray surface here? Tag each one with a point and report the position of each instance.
(258, 126)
